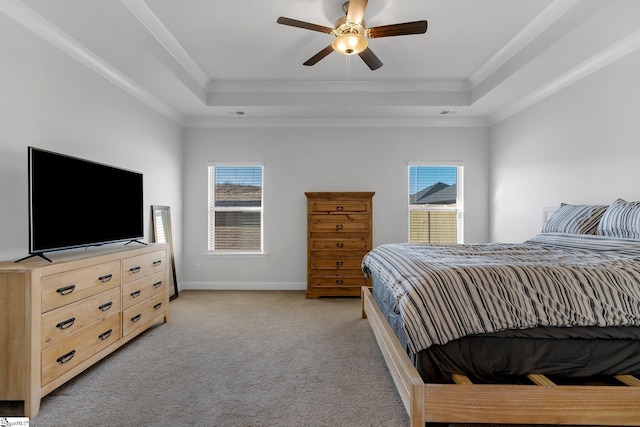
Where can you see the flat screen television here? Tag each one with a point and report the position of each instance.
(79, 203)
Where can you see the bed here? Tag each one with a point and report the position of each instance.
(546, 331)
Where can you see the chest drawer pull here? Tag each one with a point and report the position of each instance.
(339, 208)
(157, 263)
(157, 284)
(339, 227)
(339, 264)
(66, 357)
(135, 269)
(103, 336)
(339, 245)
(66, 290)
(339, 282)
(135, 294)
(105, 278)
(157, 306)
(105, 306)
(135, 318)
(66, 323)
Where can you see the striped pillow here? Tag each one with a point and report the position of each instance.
(622, 220)
(575, 219)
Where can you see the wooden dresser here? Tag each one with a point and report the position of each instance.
(59, 318)
(339, 234)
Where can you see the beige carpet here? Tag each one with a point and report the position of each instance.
(240, 358)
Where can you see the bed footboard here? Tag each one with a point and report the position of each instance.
(540, 403)
(405, 376)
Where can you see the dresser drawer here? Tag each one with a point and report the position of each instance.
(340, 281)
(137, 267)
(136, 292)
(141, 314)
(336, 263)
(337, 206)
(71, 286)
(61, 357)
(339, 224)
(66, 321)
(338, 245)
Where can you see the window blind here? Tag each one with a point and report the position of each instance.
(434, 203)
(235, 211)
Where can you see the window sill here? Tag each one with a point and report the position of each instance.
(227, 255)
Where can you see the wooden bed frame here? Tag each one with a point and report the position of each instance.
(543, 402)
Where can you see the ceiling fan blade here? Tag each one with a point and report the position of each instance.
(417, 27)
(318, 56)
(305, 25)
(355, 12)
(370, 59)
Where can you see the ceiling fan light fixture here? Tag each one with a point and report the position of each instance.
(351, 33)
(349, 44)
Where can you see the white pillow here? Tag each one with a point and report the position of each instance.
(575, 219)
(622, 220)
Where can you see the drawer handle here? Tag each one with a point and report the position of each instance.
(157, 306)
(339, 245)
(339, 282)
(135, 294)
(67, 357)
(339, 264)
(106, 278)
(339, 227)
(103, 336)
(135, 269)
(105, 306)
(66, 323)
(339, 208)
(66, 290)
(157, 284)
(157, 263)
(135, 318)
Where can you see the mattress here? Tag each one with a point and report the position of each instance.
(603, 340)
(568, 352)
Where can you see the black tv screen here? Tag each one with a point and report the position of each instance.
(76, 203)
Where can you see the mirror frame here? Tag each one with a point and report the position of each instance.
(161, 222)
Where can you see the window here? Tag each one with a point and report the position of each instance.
(435, 204)
(235, 208)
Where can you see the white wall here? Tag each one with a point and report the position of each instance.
(319, 159)
(581, 145)
(50, 101)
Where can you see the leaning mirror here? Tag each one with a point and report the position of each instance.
(161, 220)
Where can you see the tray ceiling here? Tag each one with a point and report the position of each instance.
(214, 63)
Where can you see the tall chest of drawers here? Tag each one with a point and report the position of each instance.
(59, 318)
(339, 234)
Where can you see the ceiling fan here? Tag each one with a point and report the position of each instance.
(351, 33)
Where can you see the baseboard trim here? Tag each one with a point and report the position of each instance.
(244, 286)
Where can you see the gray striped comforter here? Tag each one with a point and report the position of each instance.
(445, 292)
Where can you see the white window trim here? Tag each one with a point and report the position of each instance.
(459, 195)
(212, 253)
(231, 255)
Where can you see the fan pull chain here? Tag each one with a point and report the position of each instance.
(348, 84)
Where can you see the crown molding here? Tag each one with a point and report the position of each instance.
(616, 51)
(536, 27)
(448, 122)
(35, 23)
(156, 28)
(252, 86)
